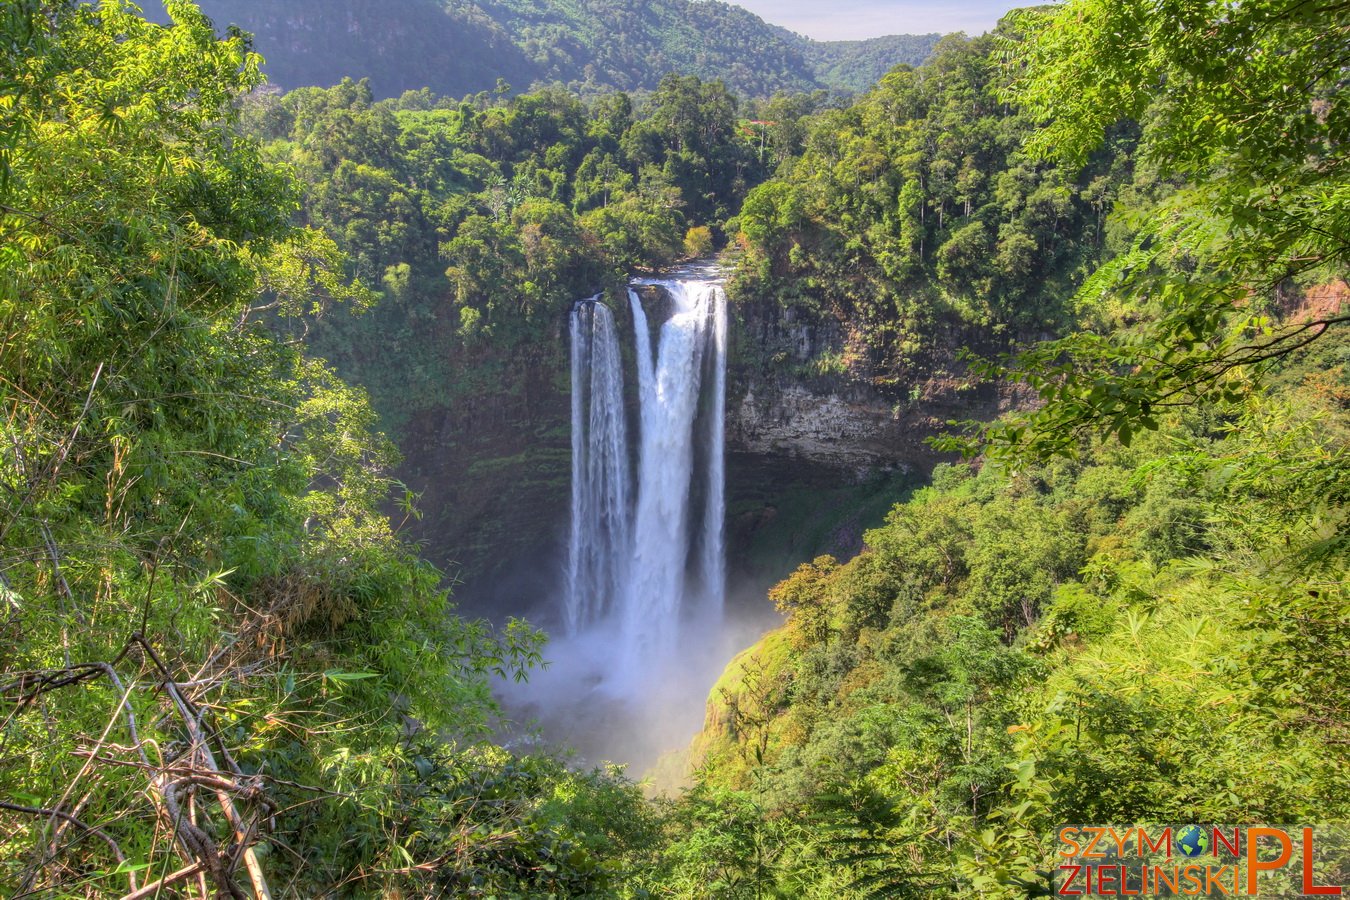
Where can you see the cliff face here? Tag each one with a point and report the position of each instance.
(844, 429)
(492, 467)
(818, 452)
(796, 396)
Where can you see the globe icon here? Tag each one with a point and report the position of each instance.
(1192, 841)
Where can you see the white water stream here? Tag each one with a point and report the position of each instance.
(644, 565)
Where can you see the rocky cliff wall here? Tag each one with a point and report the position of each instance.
(798, 392)
(818, 450)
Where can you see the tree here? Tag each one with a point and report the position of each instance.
(698, 241)
(690, 130)
(1242, 109)
(804, 596)
(203, 607)
(913, 216)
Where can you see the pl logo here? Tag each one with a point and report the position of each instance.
(1202, 860)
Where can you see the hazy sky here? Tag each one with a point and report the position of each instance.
(834, 20)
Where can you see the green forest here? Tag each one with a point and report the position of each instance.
(230, 665)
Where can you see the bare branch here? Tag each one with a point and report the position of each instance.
(155, 887)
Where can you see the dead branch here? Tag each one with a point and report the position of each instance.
(173, 786)
(154, 888)
(192, 718)
(195, 840)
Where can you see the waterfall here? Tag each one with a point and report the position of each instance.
(601, 528)
(642, 560)
(577, 544)
(713, 564)
(642, 339)
(650, 611)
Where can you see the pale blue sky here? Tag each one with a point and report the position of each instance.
(837, 20)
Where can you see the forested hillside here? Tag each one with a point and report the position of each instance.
(459, 47)
(208, 629)
(1132, 606)
(855, 66)
(399, 44)
(1110, 639)
(915, 217)
(226, 669)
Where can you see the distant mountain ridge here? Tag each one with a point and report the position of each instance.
(857, 65)
(458, 47)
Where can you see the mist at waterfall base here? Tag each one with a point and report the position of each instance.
(639, 628)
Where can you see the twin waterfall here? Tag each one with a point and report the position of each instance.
(646, 557)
